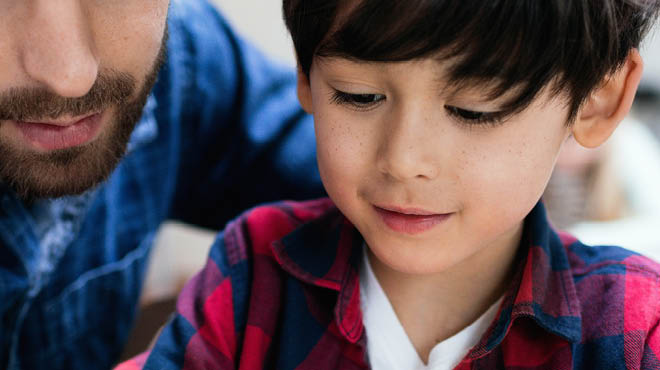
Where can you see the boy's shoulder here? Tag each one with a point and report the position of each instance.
(616, 285)
(586, 260)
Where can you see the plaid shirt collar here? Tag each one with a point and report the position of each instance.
(327, 253)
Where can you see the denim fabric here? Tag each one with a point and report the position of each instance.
(222, 131)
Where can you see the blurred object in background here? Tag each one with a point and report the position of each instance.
(585, 186)
(179, 252)
(647, 103)
(651, 53)
(611, 195)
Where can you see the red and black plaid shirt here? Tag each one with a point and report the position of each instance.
(281, 290)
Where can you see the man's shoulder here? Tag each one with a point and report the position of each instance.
(187, 10)
(199, 40)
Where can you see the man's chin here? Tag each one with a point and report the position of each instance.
(61, 172)
(34, 174)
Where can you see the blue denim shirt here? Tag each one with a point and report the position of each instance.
(221, 131)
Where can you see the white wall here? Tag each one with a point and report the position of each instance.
(261, 22)
(651, 53)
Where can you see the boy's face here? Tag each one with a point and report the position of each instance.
(428, 182)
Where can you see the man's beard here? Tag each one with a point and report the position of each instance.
(74, 170)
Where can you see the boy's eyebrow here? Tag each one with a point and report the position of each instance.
(487, 90)
(339, 57)
(504, 106)
(454, 90)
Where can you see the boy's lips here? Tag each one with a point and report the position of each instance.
(410, 220)
(61, 134)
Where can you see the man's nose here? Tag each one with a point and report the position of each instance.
(406, 151)
(59, 52)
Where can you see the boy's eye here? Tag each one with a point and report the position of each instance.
(470, 117)
(359, 101)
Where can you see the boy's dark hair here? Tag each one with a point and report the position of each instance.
(570, 45)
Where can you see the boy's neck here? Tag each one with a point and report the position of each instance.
(432, 308)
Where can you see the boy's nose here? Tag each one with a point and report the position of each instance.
(59, 52)
(405, 150)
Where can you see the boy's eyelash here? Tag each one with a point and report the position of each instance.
(467, 117)
(475, 118)
(357, 101)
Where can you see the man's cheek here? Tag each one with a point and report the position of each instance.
(131, 48)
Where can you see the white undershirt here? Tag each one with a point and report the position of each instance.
(388, 345)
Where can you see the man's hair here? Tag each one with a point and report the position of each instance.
(518, 46)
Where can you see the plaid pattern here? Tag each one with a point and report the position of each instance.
(222, 131)
(280, 290)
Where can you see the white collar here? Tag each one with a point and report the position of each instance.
(389, 346)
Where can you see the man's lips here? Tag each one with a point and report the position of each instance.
(410, 220)
(61, 134)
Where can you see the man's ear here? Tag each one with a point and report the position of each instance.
(609, 104)
(304, 91)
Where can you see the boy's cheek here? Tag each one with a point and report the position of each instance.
(503, 184)
(340, 145)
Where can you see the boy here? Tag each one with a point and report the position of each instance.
(438, 124)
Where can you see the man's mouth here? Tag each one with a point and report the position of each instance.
(410, 220)
(61, 133)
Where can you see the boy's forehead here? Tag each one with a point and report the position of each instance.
(350, 66)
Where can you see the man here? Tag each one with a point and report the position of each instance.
(92, 159)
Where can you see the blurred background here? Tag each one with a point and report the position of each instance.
(610, 195)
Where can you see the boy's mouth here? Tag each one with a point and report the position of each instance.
(409, 220)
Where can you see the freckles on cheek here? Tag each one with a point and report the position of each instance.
(328, 148)
(339, 153)
(335, 135)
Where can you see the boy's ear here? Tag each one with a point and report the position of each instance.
(304, 91)
(609, 104)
